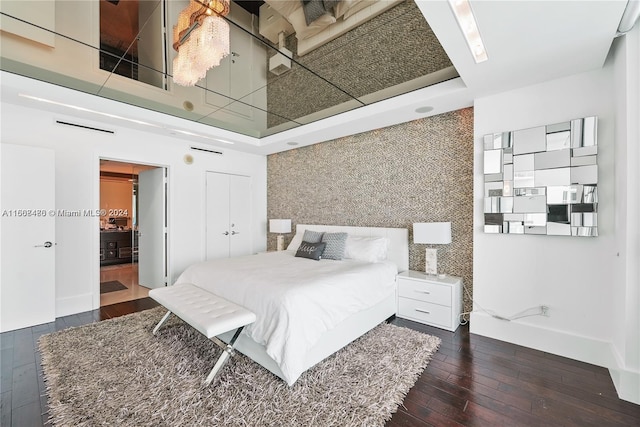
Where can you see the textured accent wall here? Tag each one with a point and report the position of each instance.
(392, 48)
(420, 171)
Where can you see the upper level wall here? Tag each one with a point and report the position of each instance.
(73, 57)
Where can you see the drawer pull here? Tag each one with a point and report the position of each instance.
(422, 311)
(423, 292)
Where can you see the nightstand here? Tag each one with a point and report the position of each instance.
(429, 299)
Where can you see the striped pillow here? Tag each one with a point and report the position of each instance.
(336, 243)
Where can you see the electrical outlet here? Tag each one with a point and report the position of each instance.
(544, 310)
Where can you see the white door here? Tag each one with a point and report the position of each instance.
(217, 223)
(239, 215)
(151, 228)
(27, 254)
(228, 222)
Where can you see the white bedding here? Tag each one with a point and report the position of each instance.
(295, 300)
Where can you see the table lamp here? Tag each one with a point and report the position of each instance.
(280, 226)
(433, 233)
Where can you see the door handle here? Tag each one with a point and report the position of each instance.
(233, 233)
(45, 245)
(226, 233)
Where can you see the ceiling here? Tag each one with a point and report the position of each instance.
(527, 42)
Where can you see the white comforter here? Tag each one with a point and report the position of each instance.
(295, 300)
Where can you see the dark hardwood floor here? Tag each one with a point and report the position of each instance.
(478, 381)
(471, 381)
(23, 400)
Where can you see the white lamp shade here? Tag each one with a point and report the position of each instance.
(280, 225)
(437, 233)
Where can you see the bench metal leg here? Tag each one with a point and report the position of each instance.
(224, 357)
(164, 319)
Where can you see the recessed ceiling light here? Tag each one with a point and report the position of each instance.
(425, 109)
(467, 22)
(292, 143)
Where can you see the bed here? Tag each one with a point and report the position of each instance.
(306, 310)
(324, 26)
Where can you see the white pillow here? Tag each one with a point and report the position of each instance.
(295, 242)
(304, 31)
(348, 8)
(285, 7)
(343, 6)
(370, 249)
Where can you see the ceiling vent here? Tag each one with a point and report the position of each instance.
(76, 125)
(206, 150)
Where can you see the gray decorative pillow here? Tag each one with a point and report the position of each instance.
(311, 250)
(312, 236)
(336, 243)
(329, 5)
(313, 9)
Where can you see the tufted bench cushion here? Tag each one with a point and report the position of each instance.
(210, 314)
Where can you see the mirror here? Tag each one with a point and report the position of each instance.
(542, 180)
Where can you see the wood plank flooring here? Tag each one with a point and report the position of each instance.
(471, 381)
(477, 381)
(127, 274)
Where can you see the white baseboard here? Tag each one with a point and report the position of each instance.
(74, 304)
(626, 381)
(627, 384)
(584, 349)
(561, 343)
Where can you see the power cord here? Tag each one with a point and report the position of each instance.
(539, 311)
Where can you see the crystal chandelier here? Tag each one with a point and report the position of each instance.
(201, 38)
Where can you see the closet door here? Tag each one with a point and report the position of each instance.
(228, 222)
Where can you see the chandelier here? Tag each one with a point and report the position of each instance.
(201, 38)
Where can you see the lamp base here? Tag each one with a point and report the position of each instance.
(280, 241)
(431, 261)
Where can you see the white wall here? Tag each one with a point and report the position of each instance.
(77, 153)
(625, 288)
(577, 278)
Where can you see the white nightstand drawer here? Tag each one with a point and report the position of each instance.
(424, 312)
(424, 291)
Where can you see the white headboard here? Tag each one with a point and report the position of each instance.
(398, 251)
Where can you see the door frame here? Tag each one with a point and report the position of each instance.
(95, 235)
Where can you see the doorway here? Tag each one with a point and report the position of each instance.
(133, 232)
(133, 41)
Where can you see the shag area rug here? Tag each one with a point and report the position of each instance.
(115, 372)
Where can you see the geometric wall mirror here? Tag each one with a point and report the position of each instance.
(543, 180)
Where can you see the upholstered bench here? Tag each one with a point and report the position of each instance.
(209, 314)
